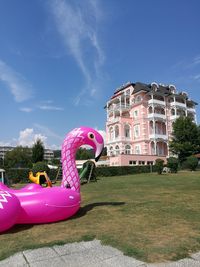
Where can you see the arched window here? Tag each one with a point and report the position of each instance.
(116, 131)
(137, 149)
(111, 134)
(153, 151)
(117, 152)
(138, 99)
(127, 132)
(111, 151)
(150, 110)
(128, 149)
(173, 112)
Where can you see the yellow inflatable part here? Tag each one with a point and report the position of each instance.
(38, 178)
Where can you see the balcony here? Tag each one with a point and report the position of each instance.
(119, 139)
(119, 107)
(156, 115)
(158, 136)
(174, 117)
(111, 120)
(156, 101)
(191, 110)
(178, 104)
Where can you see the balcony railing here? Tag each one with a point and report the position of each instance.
(156, 101)
(156, 115)
(191, 110)
(119, 107)
(158, 136)
(179, 104)
(119, 139)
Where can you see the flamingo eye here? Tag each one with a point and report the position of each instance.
(91, 136)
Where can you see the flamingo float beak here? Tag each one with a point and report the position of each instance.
(99, 150)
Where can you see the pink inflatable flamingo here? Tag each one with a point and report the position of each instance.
(35, 204)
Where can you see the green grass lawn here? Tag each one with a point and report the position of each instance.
(148, 216)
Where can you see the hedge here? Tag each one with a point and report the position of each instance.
(124, 170)
(17, 175)
(21, 175)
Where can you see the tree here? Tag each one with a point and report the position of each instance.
(18, 157)
(192, 163)
(84, 153)
(186, 138)
(37, 151)
(159, 165)
(172, 163)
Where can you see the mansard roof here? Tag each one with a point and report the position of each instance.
(160, 89)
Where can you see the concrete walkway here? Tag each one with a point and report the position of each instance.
(89, 254)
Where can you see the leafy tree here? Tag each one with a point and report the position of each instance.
(18, 157)
(40, 167)
(172, 163)
(186, 138)
(159, 165)
(57, 153)
(84, 153)
(37, 151)
(192, 163)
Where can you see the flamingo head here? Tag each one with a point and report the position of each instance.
(94, 139)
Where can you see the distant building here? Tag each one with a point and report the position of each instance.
(48, 153)
(139, 122)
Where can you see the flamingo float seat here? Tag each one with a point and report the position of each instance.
(34, 204)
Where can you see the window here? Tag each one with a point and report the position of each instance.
(138, 99)
(141, 162)
(111, 151)
(111, 134)
(127, 131)
(149, 162)
(132, 162)
(136, 131)
(116, 131)
(135, 113)
(172, 112)
(117, 150)
(127, 149)
(137, 149)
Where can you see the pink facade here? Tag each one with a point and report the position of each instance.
(139, 122)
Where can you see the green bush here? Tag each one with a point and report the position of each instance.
(192, 163)
(123, 170)
(172, 163)
(159, 164)
(52, 173)
(15, 175)
(40, 167)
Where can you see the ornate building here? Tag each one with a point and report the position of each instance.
(139, 122)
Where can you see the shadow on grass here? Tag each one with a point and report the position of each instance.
(83, 210)
(17, 228)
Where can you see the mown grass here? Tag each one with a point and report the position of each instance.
(148, 216)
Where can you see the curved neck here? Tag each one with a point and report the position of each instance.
(70, 175)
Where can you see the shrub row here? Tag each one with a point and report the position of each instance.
(123, 170)
(17, 175)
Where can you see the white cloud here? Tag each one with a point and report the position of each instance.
(48, 107)
(77, 26)
(25, 109)
(28, 137)
(15, 82)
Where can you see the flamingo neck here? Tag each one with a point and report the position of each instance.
(70, 174)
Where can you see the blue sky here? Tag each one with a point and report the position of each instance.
(60, 60)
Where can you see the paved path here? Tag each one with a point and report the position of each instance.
(89, 254)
